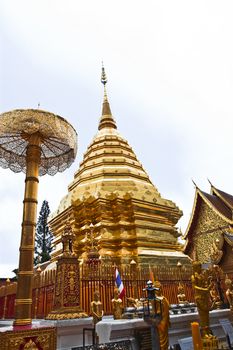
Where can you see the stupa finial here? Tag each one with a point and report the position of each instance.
(106, 119)
(104, 79)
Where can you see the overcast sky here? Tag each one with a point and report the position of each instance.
(170, 86)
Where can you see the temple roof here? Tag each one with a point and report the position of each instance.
(218, 205)
(225, 197)
(110, 166)
(112, 191)
(218, 201)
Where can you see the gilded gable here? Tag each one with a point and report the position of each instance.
(206, 231)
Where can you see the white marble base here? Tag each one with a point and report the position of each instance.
(181, 324)
(110, 330)
(113, 330)
(70, 332)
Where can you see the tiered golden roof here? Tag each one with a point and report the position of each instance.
(112, 191)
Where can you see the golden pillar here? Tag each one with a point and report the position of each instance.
(23, 303)
(38, 143)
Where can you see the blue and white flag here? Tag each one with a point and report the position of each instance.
(119, 284)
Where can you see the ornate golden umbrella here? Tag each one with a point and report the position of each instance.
(38, 143)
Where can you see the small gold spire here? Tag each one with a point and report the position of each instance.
(104, 79)
(106, 119)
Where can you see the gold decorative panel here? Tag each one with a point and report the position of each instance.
(67, 283)
(207, 230)
(30, 339)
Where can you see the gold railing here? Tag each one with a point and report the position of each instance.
(102, 278)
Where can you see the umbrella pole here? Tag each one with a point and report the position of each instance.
(23, 303)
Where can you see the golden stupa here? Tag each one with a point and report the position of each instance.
(112, 197)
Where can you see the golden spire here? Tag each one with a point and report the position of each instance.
(104, 79)
(106, 119)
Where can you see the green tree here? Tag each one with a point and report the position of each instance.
(43, 241)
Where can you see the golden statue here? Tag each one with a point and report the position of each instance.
(97, 308)
(132, 302)
(181, 295)
(215, 298)
(215, 253)
(30, 345)
(117, 306)
(164, 323)
(71, 276)
(201, 287)
(229, 292)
